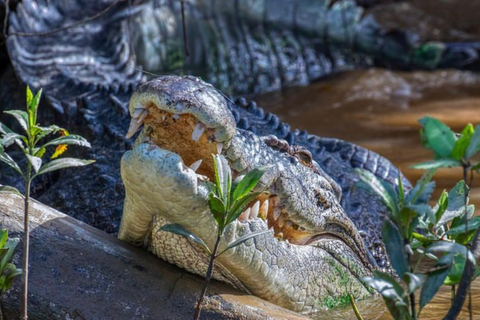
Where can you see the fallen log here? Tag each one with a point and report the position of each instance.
(79, 272)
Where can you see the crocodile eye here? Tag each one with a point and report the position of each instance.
(305, 157)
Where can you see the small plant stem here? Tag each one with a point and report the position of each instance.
(412, 295)
(453, 293)
(412, 306)
(207, 279)
(26, 245)
(354, 307)
(467, 190)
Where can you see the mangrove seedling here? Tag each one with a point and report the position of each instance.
(33, 143)
(226, 202)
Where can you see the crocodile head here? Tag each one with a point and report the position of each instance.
(313, 256)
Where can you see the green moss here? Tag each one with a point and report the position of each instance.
(332, 302)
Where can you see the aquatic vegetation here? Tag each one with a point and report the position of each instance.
(415, 231)
(34, 147)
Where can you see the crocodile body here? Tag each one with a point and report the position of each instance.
(82, 56)
(314, 252)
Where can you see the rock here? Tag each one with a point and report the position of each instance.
(79, 272)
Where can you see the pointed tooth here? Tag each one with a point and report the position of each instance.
(138, 112)
(176, 117)
(194, 166)
(288, 223)
(219, 147)
(245, 215)
(276, 213)
(198, 131)
(254, 212)
(133, 128)
(263, 210)
(143, 115)
(280, 221)
(164, 116)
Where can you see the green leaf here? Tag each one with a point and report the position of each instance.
(440, 138)
(401, 190)
(223, 176)
(3, 237)
(434, 280)
(3, 253)
(422, 191)
(29, 96)
(474, 145)
(242, 240)
(395, 247)
(33, 107)
(21, 117)
(217, 207)
(12, 273)
(462, 143)
(239, 206)
(249, 182)
(435, 164)
(44, 131)
(5, 158)
(392, 293)
(448, 247)
(11, 244)
(413, 281)
(442, 204)
(8, 189)
(456, 203)
(10, 138)
(70, 139)
(456, 270)
(424, 238)
(384, 190)
(180, 230)
(36, 162)
(39, 152)
(61, 164)
(473, 224)
(4, 129)
(422, 210)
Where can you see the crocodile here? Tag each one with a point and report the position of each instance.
(314, 253)
(88, 61)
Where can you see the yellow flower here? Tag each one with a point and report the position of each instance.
(61, 148)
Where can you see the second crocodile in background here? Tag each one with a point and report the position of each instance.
(313, 255)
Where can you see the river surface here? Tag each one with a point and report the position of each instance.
(379, 109)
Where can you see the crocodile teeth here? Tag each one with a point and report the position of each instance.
(137, 120)
(263, 210)
(219, 147)
(245, 215)
(194, 166)
(137, 113)
(164, 117)
(276, 213)
(198, 131)
(254, 212)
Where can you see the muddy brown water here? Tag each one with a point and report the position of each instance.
(379, 109)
